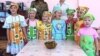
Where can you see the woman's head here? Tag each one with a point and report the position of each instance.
(88, 19)
(14, 8)
(46, 16)
(32, 13)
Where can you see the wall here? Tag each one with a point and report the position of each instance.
(92, 4)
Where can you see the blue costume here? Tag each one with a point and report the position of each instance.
(58, 29)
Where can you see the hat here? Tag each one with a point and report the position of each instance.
(70, 11)
(89, 15)
(14, 4)
(47, 13)
(82, 8)
(57, 8)
(32, 9)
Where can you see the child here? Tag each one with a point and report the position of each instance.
(16, 34)
(44, 27)
(58, 25)
(31, 21)
(88, 36)
(70, 24)
(81, 11)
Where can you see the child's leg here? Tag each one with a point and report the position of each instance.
(77, 39)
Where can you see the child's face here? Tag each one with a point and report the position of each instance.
(70, 16)
(13, 9)
(87, 22)
(45, 18)
(58, 14)
(32, 14)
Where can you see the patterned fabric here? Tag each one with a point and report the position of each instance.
(16, 33)
(58, 29)
(32, 30)
(78, 25)
(87, 44)
(44, 30)
(87, 37)
(14, 23)
(70, 29)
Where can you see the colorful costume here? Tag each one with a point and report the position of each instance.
(87, 37)
(32, 31)
(58, 29)
(15, 24)
(81, 11)
(44, 30)
(70, 24)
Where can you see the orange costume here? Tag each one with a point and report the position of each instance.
(81, 11)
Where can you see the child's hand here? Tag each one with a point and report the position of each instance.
(9, 42)
(25, 40)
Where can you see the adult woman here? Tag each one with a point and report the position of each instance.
(41, 6)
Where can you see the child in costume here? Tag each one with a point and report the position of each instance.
(81, 11)
(44, 27)
(16, 32)
(88, 36)
(70, 24)
(58, 25)
(31, 21)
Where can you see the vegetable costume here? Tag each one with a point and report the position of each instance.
(15, 24)
(81, 11)
(70, 24)
(87, 36)
(31, 30)
(44, 30)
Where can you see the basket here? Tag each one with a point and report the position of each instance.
(50, 44)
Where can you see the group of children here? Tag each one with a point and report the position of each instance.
(53, 27)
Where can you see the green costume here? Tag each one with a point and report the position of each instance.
(31, 33)
(70, 24)
(87, 44)
(87, 38)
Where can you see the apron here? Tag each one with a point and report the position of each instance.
(44, 31)
(16, 33)
(87, 44)
(16, 37)
(78, 25)
(70, 31)
(32, 32)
